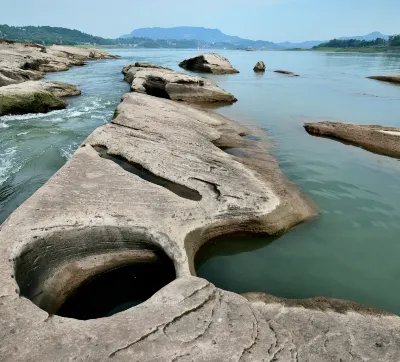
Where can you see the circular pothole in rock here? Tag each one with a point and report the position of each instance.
(90, 273)
(117, 290)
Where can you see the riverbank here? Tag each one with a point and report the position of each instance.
(23, 62)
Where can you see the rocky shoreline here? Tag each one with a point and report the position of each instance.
(23, 64)
(153, 185)
(378, 139)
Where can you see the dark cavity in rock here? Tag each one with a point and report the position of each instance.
(117, 290)
(138, 170)
(155, 86)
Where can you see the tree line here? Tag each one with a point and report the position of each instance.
(355, 43)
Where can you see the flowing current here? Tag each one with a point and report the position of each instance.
(351, 251)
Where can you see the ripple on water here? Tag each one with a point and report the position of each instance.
(8, 164)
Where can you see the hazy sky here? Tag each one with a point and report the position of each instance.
(275, 20)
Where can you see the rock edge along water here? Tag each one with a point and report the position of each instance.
(374, 138)
(21, 64)
(93, 215)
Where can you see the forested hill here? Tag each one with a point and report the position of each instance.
(393, 41)
(49, 35)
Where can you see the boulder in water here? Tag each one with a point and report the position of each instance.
(209, 63)
(259, 67)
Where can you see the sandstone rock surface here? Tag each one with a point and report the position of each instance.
(34, 97)
(96, 215)
(209, 63)
(259, 67)
(377, 139)
(286, 72)
(394, 78)
(164, 82)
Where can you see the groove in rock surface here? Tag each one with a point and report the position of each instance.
(145, 174)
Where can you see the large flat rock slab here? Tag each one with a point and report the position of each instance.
(157, 177)
(35, 97)
(394, 78)
(164, 82)
(209, 63)
(377, 139)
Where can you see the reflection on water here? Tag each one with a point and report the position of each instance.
(351, 251)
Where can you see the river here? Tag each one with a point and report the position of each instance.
(351, 251)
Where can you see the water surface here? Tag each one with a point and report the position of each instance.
(351, 251)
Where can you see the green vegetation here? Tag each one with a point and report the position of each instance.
(362, 46)
(47, 35)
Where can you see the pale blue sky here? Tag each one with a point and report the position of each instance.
(275, 20)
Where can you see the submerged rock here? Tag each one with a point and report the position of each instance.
(377, 139)
(259, 67)
(165, 83)
(394, 78)
(209, 63)
(34, 97)
(286, 72)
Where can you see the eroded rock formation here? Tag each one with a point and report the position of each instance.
(259, 67)
(209, 63)
(165, 83)
(377, 139)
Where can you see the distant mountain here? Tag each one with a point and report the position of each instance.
(304, 45)
(198, 33)
(371, 36)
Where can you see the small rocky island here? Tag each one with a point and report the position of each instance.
(377, 139)
(23, 64)
(209, 63)
(140, 196)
